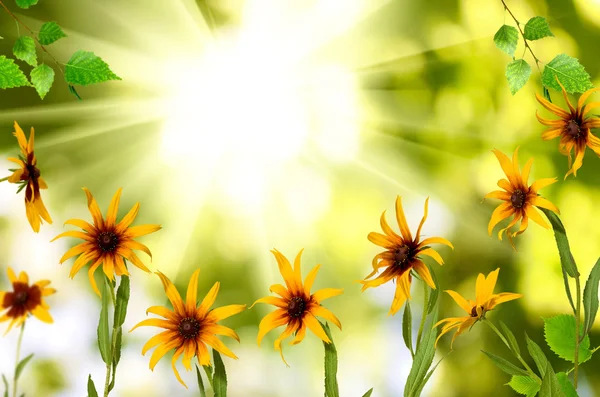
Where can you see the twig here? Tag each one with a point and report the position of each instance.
(537, 61)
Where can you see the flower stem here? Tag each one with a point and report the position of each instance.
(4, 179)
(577, 326)
(20, 340)
(108, 385)
(537, 61)
(424, 316)
(527, 367)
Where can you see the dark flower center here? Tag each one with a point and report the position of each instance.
(32, 171)
(573, 129)
(296, 307)
(107, 241)
(401, 255)
(474, 311)
(21, 297)
(189, 327)
(517, 199)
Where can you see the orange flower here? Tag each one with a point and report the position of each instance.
(519, 198)
(297, 308)
(25, 300)
(573, 127)
(107, 242)
(29, 175)
(402, 254)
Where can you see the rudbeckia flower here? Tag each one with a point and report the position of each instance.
(519, 197)
(573, 127)
(485, 300)
(403, 253)
(188, 327)
(25, 300)
(297, 308)
(107, 242)
(28, 176)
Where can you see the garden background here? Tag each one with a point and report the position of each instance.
(243, 126)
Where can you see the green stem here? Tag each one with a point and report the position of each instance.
(108, 385)
(424, 316)
(537, 61)
(577, 326)
(527, 367)
(4, 179)
(17, 359)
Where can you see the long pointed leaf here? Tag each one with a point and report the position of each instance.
(122, 301)
(103, 332)
(505, 365)
(368, 393)
(560, 235)
(407, 327)
(423, 358)
(590, 297)
(22, 365)
(512, 341)
(91, 388)
(568, 289)
(200, 383)
(331, 365)
(220, 377)
(536, 352)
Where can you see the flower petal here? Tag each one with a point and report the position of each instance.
(113, 208)
(326, 314)
(402, 220)
(460, 301)
(422, 219)
(172, 294)
(271, 321)
(326, 293)
(208, 300)
(501, 212)
(313, 324)
(192, 292)
(94, 209)
(423, 271)
(536, 217)
(310, 279)
(543, 203)
(224, 312)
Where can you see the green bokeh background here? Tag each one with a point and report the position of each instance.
(431, 103)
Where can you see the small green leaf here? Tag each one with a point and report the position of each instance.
(550, 386)
(5, 385)
(220, 377)
(49, 33)
(565, 385)
(91, 388)
(546, 94)
(506, 39)
(560, 235)
(431, 371)
(209, 373)
(122, 301)
(517, 74)
(590, 297)
(200, 383)
(512, 341)
(423, 358)
(10, 74)
(560, 336)
(368, 393)
(407, 326)
(42, 78)
(537, 28)
(118, 345)
(524, 385)
(74, 92)
(24, 49)
(538, 355)
(22, 365)
(434, 292)
(331, 365)
(568, 288)
(570, 72)
(103, 332)
(505, 365)
(86, 68)
(26, 3)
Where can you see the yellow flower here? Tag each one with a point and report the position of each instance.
(402, 255)
(573, 128)
(485, 300)
(107, 243)
(297, 308)
(29, 175)
(25, 300)
(519, 198)
(189, 328)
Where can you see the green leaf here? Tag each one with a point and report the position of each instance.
(568, 288)
(86, 68)
(24, 49)
(546, 94)
(423, 359)
(560, 235)
(368, 393)
(22, 365)
(537, 28)
(560, 336)
(74, 92)
(91, 388)
(407, 326)
(565, 385)
(590, 297)
(49, 33)
(570, 72)
(42, 78)
(5, 385)
(512, 341)
(103, 333)
(505, 365)
(431, 371)
(550, 386)
(331, 365)
(517, 74)
(200, 383)
(435, 293)
(538, 355)
(118, 345)
(26, 3)
(220, 377)
(209, 374)
(506, 39)
(524, 385)
(122, 301)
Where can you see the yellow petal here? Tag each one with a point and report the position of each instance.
(402, 292)
(285, 268)
(82, 224)
(401, 219)
(113, 208)
(280, 290)
(313, 324)
(501, 212)
(552, 107)
(543, 203)
(501, 298)
(42, 314)
(297, 268)
(433, 254)
(271, 321)
(76, 250)
(218, 329)
(300, 334)
(526, 170)
(161, 351)
(462, 302)
(284, 335)
(163, 311)
(192, 292)
(224, 312)
(156, 322)
(310, 279)
(142, 230)
(172, 294)
(202, 354)
(76, 234)
(381, 240)
(128, 219)
(23, 277)
(271, 300)
(12, 277)
(163, 337)
(326, 293)
(436, 240)
(542, 183)
(20, 135)
(216, 344)
(425, 211)
(321, 311)
(423, 271)
(498, 194)
(173, 361)
(388, 230)
(208, 300)
(535, 216)
(94, 209)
